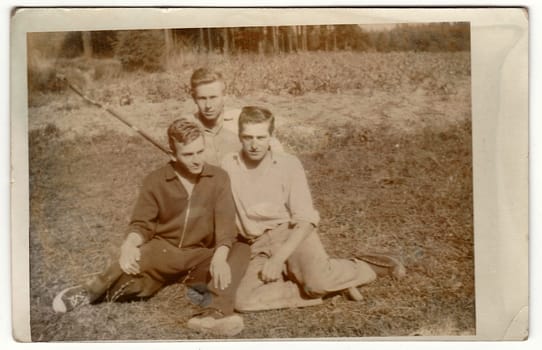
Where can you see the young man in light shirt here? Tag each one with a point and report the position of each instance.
(183, 226)
(289, 266)
(220, 125)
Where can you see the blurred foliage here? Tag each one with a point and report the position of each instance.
(147, 49)
(432, 37)
(424, 73)
(140, 49)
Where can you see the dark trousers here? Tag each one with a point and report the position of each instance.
(162, 263)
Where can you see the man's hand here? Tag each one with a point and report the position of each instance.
(272, 269)
(130, 255)
(220, 269)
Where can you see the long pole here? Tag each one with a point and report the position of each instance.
(119, 117)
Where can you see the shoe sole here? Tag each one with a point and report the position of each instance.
(354, 294)
(58, 304)
(198, 324)
(395, 266)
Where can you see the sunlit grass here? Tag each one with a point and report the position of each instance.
(378, 187)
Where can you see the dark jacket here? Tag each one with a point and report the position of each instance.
(163, 205)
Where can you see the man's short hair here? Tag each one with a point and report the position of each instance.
(256, 115)
(204, 76)
(182, 131)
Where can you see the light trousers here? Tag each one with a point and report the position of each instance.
(309, 274)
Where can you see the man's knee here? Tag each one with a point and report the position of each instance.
(134, 287)
(152, 255)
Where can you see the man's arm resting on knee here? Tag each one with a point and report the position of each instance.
(220, 269)
(129, 253)
(272, 269)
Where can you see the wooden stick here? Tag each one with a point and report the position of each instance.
(119, 117)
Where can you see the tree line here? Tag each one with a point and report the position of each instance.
(145, 48)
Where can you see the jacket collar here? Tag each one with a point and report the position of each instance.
(170, 174)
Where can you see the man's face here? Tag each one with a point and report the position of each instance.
(210, 100)
(190, 156)
(255, 140)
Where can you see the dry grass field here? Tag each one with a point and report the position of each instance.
(386, 143)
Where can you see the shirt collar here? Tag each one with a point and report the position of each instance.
(227, 116)
(238, 158)
(170, 171)
(217, 128)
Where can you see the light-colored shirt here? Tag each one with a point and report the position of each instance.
(278, 195)
(224, 137)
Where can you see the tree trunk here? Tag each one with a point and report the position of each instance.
(315, 38)
(292, 38)
(201, 40)
(326, 38)
(226, 42)
(274, 31)
(283, 39)
(282, 42)
(87, 44)
(263, 41)
(210, 39)
(232, 40)
(304, 37)
(334, 33)
(289, 39)
(299, 40)
(168, 44)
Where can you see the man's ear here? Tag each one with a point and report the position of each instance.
(172, 147)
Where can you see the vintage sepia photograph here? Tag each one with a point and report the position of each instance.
(301, 181)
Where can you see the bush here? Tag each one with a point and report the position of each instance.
(141, 50)
(42, 78)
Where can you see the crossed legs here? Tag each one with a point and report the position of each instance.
(309, 274)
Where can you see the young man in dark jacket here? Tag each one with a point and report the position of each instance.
(183, 226)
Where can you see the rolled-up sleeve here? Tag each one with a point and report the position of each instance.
(224, 214)
(300, 199)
